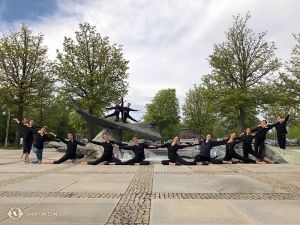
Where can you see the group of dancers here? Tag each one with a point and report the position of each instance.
(119, 108)
(203, 158)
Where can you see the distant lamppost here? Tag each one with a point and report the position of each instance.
(7, 126)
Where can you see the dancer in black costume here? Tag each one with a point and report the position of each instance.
(139, 151)
(174, 158)
(262, 129)
(247, 148)
(38, 146)
(27, 138)
(107, 155)
(206, 146)
(71, 149)
(118, 108)
(231, 153)
(281, 129)
(126, 111)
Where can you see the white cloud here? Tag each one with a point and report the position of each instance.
(167, 42)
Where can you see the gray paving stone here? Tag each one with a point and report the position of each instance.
(10, 176)
(101, 168)
(271, 168)
(107, 177)
(171, 183)
(239, 184)
(57, 177)
(271, 212)
(7, 203)
(38, 185)
(67, 211)
(195, 211)
(210, 168)
(98, 187)
(22, 167)
(162, 168)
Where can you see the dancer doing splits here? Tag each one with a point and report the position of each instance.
(117, 109)
(262, 129)
(126, 111)
(206, 146)
(27, 138)
(107, 155)
(231, 153)
(71, 149)
(281, 129)
(38, 146)
(247, 148)
(174, 158)
(139, 151)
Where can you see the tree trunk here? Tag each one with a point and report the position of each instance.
(18, 128)
(242, 120)
(90, 126)
(41, 117)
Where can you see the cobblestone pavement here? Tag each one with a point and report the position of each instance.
(134, 205)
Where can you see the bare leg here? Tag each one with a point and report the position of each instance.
(260, 162)
(83, 163)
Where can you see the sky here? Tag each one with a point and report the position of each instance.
(167, 42)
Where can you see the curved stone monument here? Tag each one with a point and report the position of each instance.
(145, 129)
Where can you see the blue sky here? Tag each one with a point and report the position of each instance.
(167, 42)
(26, 10)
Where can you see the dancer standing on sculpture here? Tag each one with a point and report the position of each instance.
(206, 146)
(247, 147)
(139, 151)
(174, 158)
(281, 129)
(71, 149)
(38, 146)
(107, 155)
(262, 129)
(118, 108)
(27, 138)
(126, 111)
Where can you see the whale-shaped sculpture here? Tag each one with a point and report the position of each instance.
(145, 129)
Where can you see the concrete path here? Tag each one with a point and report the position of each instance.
(83, 194)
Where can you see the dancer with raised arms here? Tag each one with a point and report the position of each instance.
(38, 146)
(27, 138)
(247, 148)
(206, 146)
(126, 111)
(262, 129)
(107, 155)
(118, 108)
(71, 149)
(139, 151)
(281, 129)
(174, 158)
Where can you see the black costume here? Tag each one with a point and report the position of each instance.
(117, 111)
(247, 148)
(173, 156)
(204, 155)
(139, 151)
(71, 150)
(231, 153)
(126, 111)
(107, 153)
(27, 138)
(281, 132)
(260, 137)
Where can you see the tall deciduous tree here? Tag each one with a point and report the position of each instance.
(92, 69)
(164, 109)
(242, 68)
(198, 111)
(24, 69)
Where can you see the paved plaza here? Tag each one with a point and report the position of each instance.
(82, 194)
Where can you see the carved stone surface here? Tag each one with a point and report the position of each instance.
(144, 129)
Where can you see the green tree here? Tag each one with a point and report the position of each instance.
(198, 111)
(24, 70)
(242, 68)
(164, 109)
(92, 69)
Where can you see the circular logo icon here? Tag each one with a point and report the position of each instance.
(15, 213)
